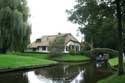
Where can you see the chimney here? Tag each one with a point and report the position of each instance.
(59, 33)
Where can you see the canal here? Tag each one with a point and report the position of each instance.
(63, 73)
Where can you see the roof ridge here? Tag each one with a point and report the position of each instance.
(55, 35)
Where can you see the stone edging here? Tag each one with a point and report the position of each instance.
(5, 70)
(71, 60)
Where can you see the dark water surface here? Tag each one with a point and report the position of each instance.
(82, 73)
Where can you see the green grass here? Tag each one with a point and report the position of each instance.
(13, 61)
(114, 79)
(114, 61)
(71, 57)
(36, 55)
(45, 56)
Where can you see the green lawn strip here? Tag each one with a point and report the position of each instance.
(45, 56)
(114, 79)
(12, 61)
(71, 57)
(41, 56)
(114, 61)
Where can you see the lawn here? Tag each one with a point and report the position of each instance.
(114, 61)
(114, 79)
(36, 55)
(13, 61)
(45, 56)
(71, 58)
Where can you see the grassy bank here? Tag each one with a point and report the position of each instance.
(114, 61)
(13, 61)
(71, 58)
(35, 55)
(114, 79)
(45, 56)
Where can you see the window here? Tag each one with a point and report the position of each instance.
(67, 48)
(34, 49)
(70, 47)
(73, 47)
(38, 40)
(77, 48)
(44, 48)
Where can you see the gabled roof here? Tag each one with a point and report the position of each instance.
(45, 40)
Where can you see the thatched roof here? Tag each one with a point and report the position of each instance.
(45, 40)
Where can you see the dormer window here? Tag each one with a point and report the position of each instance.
(38, 40)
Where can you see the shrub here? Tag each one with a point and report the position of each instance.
(72, 52)
(56, 47)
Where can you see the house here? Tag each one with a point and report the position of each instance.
(42, 44)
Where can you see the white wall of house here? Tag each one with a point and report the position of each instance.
(40, 49)
(71, 43)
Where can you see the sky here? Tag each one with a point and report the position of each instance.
(49, 17)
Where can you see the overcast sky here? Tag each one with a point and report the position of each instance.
(48, 17)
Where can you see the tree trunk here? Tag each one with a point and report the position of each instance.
(3, 50)
(4, 47)
(92, 47)
(120, 57)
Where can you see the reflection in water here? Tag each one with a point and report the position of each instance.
(33, 78)
(13, 77)
(65, 67)
(79, 77)
(82, 73)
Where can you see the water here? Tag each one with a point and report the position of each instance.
(82, 73)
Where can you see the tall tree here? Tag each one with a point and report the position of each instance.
(98, 22)
(14, 27)
(119, 15)
(94, 18)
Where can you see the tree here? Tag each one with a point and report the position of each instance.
(56, 47)
(14, 27)
(98, 22)
(94, 19)
(119, 15)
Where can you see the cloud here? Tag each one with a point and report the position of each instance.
(48, 17)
